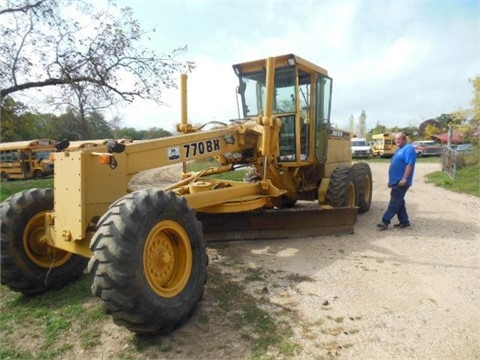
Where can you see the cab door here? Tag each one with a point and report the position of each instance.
(322, 116)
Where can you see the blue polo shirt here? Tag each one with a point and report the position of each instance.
(402, 157)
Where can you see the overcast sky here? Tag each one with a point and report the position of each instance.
(402, 62)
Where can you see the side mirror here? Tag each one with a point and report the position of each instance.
(62, 145)
(115, 147)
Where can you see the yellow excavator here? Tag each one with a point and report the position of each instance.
(146, 249)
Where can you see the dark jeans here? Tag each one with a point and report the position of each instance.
(396, 206)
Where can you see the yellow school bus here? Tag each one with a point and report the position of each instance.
(384, 144)
(26, 159)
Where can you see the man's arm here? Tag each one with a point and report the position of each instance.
(406, 174)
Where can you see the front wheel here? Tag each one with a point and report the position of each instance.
(363, 179)
(149, 261)
(29, 264)
(341, 190)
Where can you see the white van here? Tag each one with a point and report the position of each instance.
(361, 148)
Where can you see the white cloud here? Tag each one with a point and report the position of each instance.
(210, 96)
(212, 91)
(399, 58)
(401, 62)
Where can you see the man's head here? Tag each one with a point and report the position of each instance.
(401, 139)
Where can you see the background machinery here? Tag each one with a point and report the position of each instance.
(146, 248)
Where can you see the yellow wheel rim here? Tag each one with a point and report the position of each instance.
(351, 194)
(368, 188)
(36, 247)
(168, 258)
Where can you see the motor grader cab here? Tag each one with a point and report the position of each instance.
(146, 248)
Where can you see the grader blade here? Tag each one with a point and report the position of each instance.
(278, 224)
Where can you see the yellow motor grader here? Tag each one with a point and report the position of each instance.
(146, 249)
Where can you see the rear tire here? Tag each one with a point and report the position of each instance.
(341, 190)
(363, 179)
(29, 265)
(149, 261)
(4, 176)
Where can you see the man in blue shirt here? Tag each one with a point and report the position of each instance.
(400, 176)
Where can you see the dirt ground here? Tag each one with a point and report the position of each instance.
(398, 294)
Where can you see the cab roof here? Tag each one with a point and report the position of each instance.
(280, 61)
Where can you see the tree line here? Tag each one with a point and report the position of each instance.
(20, 123)
(464, 121)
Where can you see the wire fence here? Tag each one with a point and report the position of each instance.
(452, 160)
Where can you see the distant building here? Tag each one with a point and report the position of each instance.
(443, 138)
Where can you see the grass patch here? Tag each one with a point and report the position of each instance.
(467, 180)
(56, 316)
(46, 324)
(236, 175)
(8, 188)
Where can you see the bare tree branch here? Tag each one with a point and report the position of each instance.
(22, 8)
(44, 44)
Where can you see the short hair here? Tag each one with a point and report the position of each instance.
(401, 135)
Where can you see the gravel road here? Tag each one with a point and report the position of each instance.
(398, 294)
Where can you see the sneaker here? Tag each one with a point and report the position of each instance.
(401, 226)
(382, 226)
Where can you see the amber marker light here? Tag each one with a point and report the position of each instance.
(105, 159)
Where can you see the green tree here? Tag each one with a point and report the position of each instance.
(18, 123)
(47, 121)
(71, 126)
(362, 125)
(100, 128)
(476, 99)
(128, 133)
(430, 130)
(379, 129)
(444, 120)
(422, 132)
(8, 129)
(351, 125)
(467, 121)
(154, 133)
(411, 131)
(65, 126)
